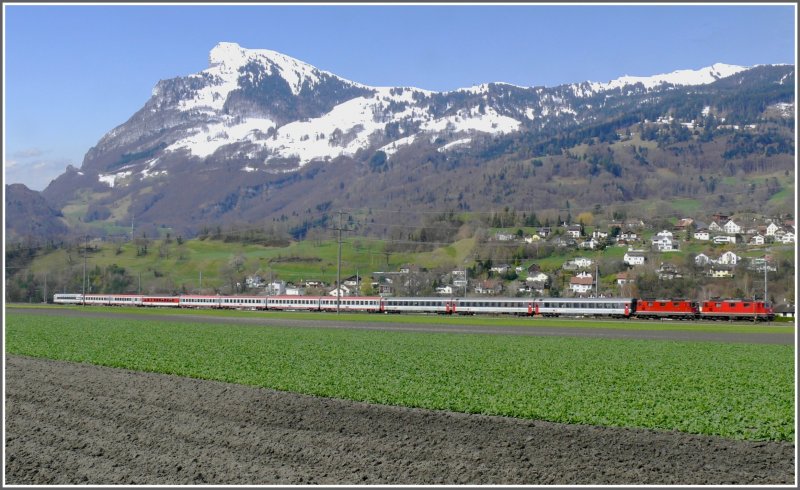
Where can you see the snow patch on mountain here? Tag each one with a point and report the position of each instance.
(392, 147)
(463, 122)
(490, 122)
(453, 144)
(785, 109)
(702, 76)
(204, 141)
(111, 179)
(349, 127)
(483, 88)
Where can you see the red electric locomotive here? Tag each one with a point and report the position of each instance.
(680, 309)
(736, 309)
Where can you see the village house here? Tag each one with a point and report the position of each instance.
(663, 242)
(276, 288)
(599, 235)
(352, 282)
(633, 258)
(772, 228)
(582, 262)
(562, 242)
(543, 231)
(728, 258)
(292, 290)
(702, 235)
(574, 231)
(720, 272)
(500, 269)
(664, 234)
(634, 224)
(714, 227)
(667, 271)
(489, 286)
(538, 277)
(590, 244)
(533, 238)
(629, 236)
(682, 224)
(757, 240)
(787, 238)
(623, 278)
(731, 228)
(759, 263)
(254, 281)
(784, 310)
(502, 236)
(445, 290)
(724, 239)
(341, 291)
(459, 278)
(582, 283)
(702, 259)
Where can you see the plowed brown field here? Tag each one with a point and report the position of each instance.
(69, 423)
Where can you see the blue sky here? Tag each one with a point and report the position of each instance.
(73, 73)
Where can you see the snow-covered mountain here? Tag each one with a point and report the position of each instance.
(254, 115)
(276, 113)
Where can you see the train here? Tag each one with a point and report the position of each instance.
(664, 309)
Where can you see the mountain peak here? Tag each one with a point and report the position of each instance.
(229, 54)
(227, 57)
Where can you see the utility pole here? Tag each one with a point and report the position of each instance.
(200, 284)
(339, 264)
(44, 298)
(339, 268)
(132, 215)
(765, 280)
(596, 279)
(85, 248)
(140, 282)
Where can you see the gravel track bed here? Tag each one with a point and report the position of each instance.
(71, 423)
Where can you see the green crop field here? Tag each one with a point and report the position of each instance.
(742, 391)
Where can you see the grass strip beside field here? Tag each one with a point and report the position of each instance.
(741, 391)
(478, 320)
